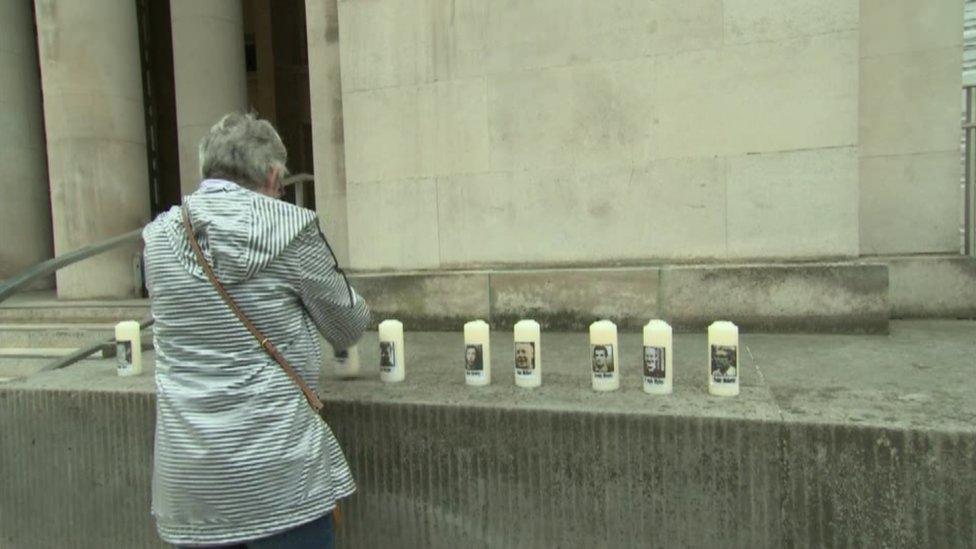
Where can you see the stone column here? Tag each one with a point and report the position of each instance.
(325, 84)
(209, 73)
(25, 208)
(96, 137)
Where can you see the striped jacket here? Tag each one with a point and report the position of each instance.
(239, 453)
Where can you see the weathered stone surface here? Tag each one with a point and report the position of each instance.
(910, 203)
(521, 35)
(572, 300)
(395, 227)
(426, 301)
(416, 131)
(927, 287)
(902, 26)
(910, 102)
(749, 21)
(793, 204)
(778, 298)
(577, 116)
(665, 209)
(756, 97)
(96, 139)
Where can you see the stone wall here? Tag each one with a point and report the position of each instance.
(562, 132)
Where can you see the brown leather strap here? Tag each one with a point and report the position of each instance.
(310, 396)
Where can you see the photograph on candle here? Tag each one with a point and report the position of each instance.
(524, 356)
(654, 363)
(603, 359)
(387, 356)
(724, 365)
(473, 361)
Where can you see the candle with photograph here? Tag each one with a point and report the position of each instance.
(392, 363)
(723, 359)
(528, 353)
(604, 359)
(128, 348)
(657, 358)
(477, 353)
(346, 362)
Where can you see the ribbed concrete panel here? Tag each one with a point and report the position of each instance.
(443, 476)
(75, 470)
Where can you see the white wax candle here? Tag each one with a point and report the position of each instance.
(528, 353)
(604, 358)
(392, 363)
(128, 348)
(723, 359)
(657, 358)
(477, 353)
(347, 362)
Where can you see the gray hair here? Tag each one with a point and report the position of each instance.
(242, 148)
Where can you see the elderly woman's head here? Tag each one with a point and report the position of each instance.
(246, 150)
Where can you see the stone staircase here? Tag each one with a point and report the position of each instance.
(36, 328)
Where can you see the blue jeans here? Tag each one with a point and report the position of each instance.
(318, 534)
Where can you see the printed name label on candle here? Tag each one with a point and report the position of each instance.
(524, 358)
(654, 364)
(474, 361)
(603, 359)
(387, 356)
(724, 363)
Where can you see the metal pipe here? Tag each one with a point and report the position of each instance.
(45, 268)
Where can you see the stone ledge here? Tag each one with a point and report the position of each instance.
(801, 297)
(867, 452)
(926, 287)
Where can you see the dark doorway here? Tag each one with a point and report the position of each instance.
(277, 79)
(159, 96)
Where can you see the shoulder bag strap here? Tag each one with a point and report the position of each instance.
(310, 396)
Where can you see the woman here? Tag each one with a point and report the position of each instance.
(240, 457)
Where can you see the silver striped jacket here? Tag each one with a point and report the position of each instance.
(239, 453)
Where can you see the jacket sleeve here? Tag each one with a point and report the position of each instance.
(340, 314)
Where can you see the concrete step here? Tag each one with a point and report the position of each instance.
(35, 352)
(45, 307)
(60, 335)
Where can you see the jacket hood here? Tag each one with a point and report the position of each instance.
(240, 231)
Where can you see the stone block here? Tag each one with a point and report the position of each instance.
(393, 225)
(793, 204)
(91, 48)
(749, 21)
(794, 94)
(673, 208)
(910, 103)
(428, 301)
(903, 26)
(778, 298)
(401, 42)
(554, 33)
(910, 204)
(94, 115)
(933, 287)
(573, 299)
(415, 131)
(593, 115)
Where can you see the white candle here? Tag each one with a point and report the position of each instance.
(128, 348)
(347, 362)
(528, 353)
(723, 359)
(477, 353)
(657, 366)
(392, 363)
(604, 359)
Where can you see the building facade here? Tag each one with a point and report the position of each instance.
(492, 135)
